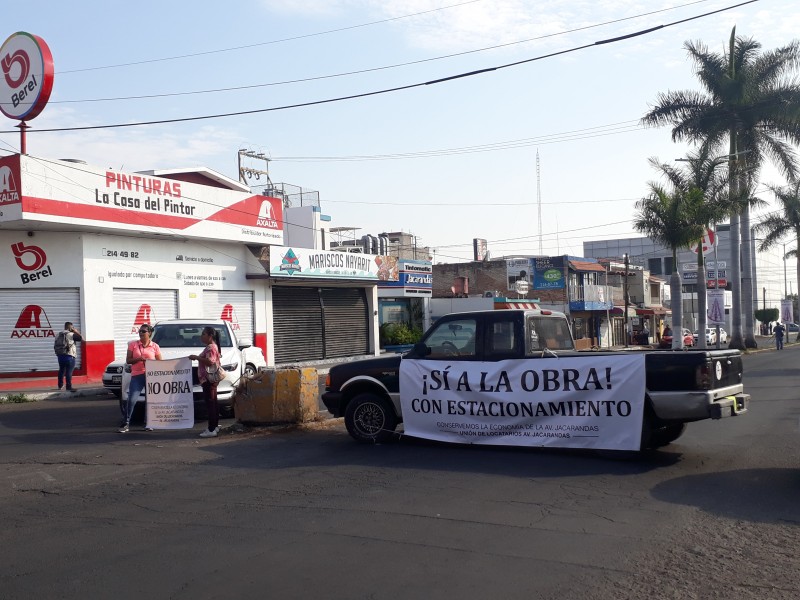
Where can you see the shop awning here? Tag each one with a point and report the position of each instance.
(653, 310)
(585, 266)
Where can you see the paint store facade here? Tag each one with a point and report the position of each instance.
(109, 250)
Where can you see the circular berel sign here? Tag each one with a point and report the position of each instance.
(26, 76)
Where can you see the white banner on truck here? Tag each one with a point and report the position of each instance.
(570, 402)
(170, 404)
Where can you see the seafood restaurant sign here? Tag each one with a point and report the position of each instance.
(559, 402)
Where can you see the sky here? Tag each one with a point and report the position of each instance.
(446, 162)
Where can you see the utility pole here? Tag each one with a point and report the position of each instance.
(625, 293)
(539, 200)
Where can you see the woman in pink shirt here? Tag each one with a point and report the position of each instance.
(208, 357)
(139, 351)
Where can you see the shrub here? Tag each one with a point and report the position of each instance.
(399, 334)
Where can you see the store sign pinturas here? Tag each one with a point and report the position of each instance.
(26, 76)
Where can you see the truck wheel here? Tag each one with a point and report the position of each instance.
(667, 435)
(370, 419)
(250, 370)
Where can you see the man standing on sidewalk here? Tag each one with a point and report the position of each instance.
(66, 351)
(779, 331)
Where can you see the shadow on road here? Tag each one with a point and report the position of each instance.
(758, 495)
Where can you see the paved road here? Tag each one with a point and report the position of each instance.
(308, 513)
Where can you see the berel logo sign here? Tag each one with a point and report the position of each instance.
(32, 323)
(27, 68)
(32, 259)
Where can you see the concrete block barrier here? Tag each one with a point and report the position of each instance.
(278, 396)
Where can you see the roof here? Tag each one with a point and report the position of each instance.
(219, 178)
(583, 265)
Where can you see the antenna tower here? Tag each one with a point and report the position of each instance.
(539, 200)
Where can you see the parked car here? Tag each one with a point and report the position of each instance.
(181, 337)
(711, 336)
(792, 327)
(688, 339)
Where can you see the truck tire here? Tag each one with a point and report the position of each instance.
(370, 419)
(667, 435)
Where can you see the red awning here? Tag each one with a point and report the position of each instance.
(654, 310)
(585, 266)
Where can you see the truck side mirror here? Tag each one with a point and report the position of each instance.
(245, 344)
(420, 350)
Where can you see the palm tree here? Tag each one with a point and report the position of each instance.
(668, 216)
(786, 222)
(705, 203)
(752, 103)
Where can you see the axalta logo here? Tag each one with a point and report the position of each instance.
(144, 316)
(9, 192)
(266, 217)
(228, 314)
(32, 323)
(32, 259)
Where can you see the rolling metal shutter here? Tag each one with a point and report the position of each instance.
(233, 306)
(29, 322)
(132, 307)
(297, 324)
(346, 325)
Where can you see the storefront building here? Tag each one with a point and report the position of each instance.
(404, 293)
(109, 251)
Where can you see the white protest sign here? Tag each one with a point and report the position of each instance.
(716, 306)
(594, 401)
(170, 404)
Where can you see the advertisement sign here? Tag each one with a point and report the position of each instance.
(170, 404)
(597, 403)
(326, 264)
(26, 66)
(716, 306)
(53, 191)
(548, 272)
(517, 269)
(413, 278)
(787, 311)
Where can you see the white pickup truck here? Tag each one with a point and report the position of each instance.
(178, 338)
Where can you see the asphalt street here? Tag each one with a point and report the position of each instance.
(306, 512)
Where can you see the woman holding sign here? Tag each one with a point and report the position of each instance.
(139, 351)
(208, 360)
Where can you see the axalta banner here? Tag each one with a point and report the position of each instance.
(170, 403)
(53, 191)
(571, 402)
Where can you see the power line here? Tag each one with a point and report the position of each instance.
(267, 43)
(387, 90)
(346, 73)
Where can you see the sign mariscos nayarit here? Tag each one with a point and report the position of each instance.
(26, 76)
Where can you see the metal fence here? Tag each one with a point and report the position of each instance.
(292, 195)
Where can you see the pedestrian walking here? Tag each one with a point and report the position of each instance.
(779, 330)
(139, 351)
(66, 351)
(207, 360)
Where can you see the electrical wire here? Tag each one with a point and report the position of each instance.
(350, 73)
(387, 90)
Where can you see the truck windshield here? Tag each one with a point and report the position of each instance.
(547, 332)
(186, 335)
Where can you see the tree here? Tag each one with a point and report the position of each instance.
(752, 103)
(706, 203)
(783, 223)
(668, 216)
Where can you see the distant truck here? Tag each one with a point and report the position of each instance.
(467, 363)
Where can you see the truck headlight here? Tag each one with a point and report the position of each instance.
(231, 368)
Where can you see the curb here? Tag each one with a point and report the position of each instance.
(57, 395)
